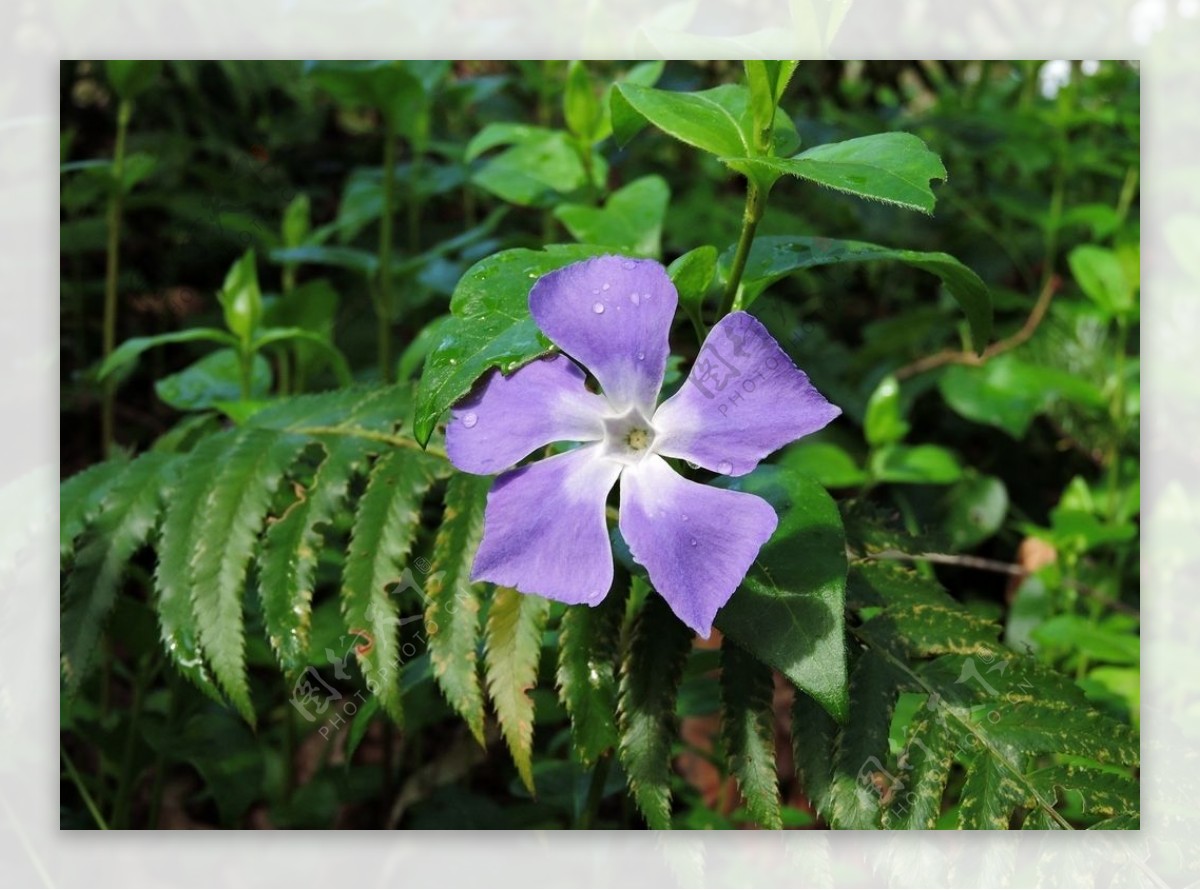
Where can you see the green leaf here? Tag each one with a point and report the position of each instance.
(341, 368)
(989, 796)
(916, 464)
(364, 262)
(894, 168)
(814, 735)
(538, 167)
(185, 501)
(1102, 277)
(312, 306)
(631, 219)
(297, 221)
(650, 677)
(718, 121)
(128, 351)
(748, 728)
(452, 601)
(387, 86)
(767, 80)
(581, 108)
(829, 464)
(241, 298)
(1007, 392)
(693, 274)
(918, 615)
(512, 650)
(225, 535)
(1103, 791)
(884, 424)
(588, 645)
(138, 166)
(124, 521)
(415, 353)
(975, 510)
(385, 526)
(490, 327)
(80, 499)
(775, 257)
(925, 766)
(212, 379)
(131, 77)
(860, 781)
(789, 611)
(291, 550)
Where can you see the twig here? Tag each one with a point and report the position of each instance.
(989, 565)
(966, 357)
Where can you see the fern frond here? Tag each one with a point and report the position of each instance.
(291, 548)
(231, 517)
(512, 650)
(650, 677)
(125, 518)
(452, 601)
(384, 529)
(80, 499)
(748, 727)
(589, 641)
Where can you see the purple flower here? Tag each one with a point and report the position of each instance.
(544, 526)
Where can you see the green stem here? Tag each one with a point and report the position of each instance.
(77, 781)
(120, 814)
(595, 792)
(246, 371)
(1128, 190)
(383, 305)
(111, 265)
(756, 202)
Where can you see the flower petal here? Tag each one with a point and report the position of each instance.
(612, 315)
(510, 417)
(743, 399)
(697, 542)
(544, 530)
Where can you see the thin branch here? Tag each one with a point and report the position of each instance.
(966, 357)
(990, 565)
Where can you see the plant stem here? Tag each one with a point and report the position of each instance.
(88, 802)
(595, 792)
(383, 304)
(120, 814)
(755, 204)
(245, 371)
(111, 265)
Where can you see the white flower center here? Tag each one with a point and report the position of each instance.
(628, 437)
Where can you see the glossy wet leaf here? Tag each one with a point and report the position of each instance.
(630, 222)
(789, 612)
(212, 379)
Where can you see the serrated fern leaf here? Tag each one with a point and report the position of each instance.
(452, 601)
(925, 766)
(231, 517)
(172, 575)
(384, 528)
(291, 547)
(512, 650)
(1101, 792)
(748, 727)
(80, 498)
(814, 736)
(588, 648)
(990, 794)
(650, 676)
(124, 520)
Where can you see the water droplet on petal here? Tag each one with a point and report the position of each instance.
(598, 308)
(628, 264)
(693, 542)
(641, 356)
(724, 468)
(604, 286)
(595, 290)
(684, 517)
(470, 419)
(635, 298)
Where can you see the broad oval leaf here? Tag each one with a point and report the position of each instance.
(789, 611)
(631, 219)
(490, 326)
(772, 258)
(895, 168)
